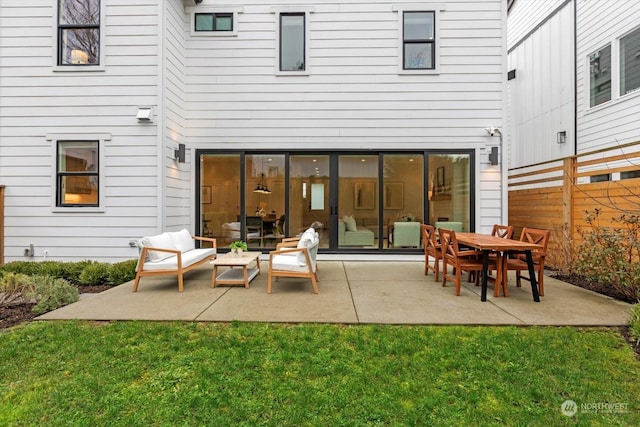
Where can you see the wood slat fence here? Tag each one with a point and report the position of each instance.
(556, 195)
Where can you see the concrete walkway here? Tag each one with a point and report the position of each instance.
(388, 292)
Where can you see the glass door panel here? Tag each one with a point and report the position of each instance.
(220, 197)
(264, 199)
(358, 185)
(402, 199)
(309, 195)
(449, 190)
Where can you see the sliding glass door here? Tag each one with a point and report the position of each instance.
(358, 202)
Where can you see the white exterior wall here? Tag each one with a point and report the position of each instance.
(178, 191)
(353, 96)
(541, 97)
(617, 121)
(222, 93)
(37, 100)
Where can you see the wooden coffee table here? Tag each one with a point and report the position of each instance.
(233, 275)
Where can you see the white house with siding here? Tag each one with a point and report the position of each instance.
(293, 111)
(575, 69)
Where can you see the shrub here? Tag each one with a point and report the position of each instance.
(51, 293)
(94, 273)
(610, 255)
(122, 272)
(29, 268)
(13, 287)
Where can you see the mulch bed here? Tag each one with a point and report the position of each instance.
(18, 313)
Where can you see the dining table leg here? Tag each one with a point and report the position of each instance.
(532, 277)
(485, 275)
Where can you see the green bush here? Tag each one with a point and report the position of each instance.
(122, 272)
(610, 255)
(29, 268)
(51, 293)
(94, 273)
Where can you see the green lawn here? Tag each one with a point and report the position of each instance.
(211, 374)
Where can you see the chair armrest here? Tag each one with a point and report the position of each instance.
(145, 249)
(287, 250)
(206, 239)
(288, 242)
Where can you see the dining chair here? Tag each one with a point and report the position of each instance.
(519, 262)
(432, 249)
(460, 260)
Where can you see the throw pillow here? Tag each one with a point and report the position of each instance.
(307, 240)
(350, 223)
(159, 241)
(182, 240)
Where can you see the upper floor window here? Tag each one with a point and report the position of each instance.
(78, 32)
(600, 76)
(214, 22)
(418, 35)
(630, 62)
(77, 177)
(292, 42)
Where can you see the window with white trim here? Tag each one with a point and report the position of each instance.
(77, 173)
(600, 76)
(218, 22)
(214, 21)
(292, 42)
(630, 62)
(418, 37)
(418, 40)
(78, 32)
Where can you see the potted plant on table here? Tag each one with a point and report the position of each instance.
(238, 247)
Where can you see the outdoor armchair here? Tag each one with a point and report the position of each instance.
(519, 262)
(432, 249)
(295, 257)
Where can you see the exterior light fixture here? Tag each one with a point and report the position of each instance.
(493, 156)
(179, 154)
(561, 137)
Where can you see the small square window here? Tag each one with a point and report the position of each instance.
(630, 174)
(214, 22)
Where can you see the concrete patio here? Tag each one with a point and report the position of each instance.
(387, 292)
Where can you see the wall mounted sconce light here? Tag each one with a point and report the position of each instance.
(561, 137)
(493, 156)
(197, 1)
(180, 154)
(145, 115)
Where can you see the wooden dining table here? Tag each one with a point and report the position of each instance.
(487, 244)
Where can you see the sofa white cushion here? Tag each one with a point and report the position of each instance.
(182, 240)
(288, 262)
(188, 258)
(163, 241)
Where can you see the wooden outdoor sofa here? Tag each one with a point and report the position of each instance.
(171, 253)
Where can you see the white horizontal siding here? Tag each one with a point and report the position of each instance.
(36, 100)
(542, 94)
(617, 121)
(353, 90)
